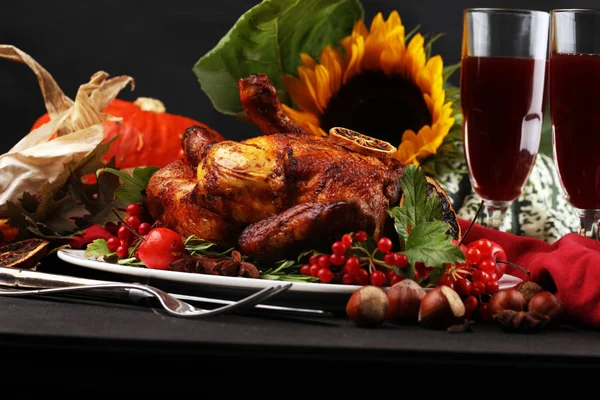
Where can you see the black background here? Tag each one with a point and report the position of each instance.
(158, 42)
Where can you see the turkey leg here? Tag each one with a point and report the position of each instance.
(303, 227)
(196, 141)
(260, 102)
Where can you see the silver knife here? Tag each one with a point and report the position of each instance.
(29, 279)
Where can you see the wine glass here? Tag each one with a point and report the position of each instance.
(503, 68)
(575, 110)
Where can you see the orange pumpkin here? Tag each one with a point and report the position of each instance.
(148, 135)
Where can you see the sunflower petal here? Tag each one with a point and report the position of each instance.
(378, 25)
(307, 120)
(394, 21)
(389, 59)
(322, 88)
(309, 78)
(354, 64)
(332, 61)
(298, 91)
(307, 61)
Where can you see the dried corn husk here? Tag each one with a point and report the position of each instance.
(36, 164)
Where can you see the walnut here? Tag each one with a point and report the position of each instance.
(521, 321)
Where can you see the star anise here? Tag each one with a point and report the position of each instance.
(194, 263)
(521, 321)
(232, 265)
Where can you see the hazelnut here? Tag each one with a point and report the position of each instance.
(528, 289)
(547, 304)
(367, 306)
(441, 308)
(507, 299)
(404, 300)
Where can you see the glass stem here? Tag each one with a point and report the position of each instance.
(496, 211)
(588, 223)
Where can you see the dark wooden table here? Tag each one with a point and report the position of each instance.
(73, 343)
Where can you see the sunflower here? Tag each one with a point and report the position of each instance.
(380, 85)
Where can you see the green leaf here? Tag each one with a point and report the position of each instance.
(269, 39)
(131, 261)
(143, 174)
(129, 194)
(284, 270)
(428, 46)
(429, 243)
(98, 248)
(290, 278)
(134, 186)
(200, 247)
(412, 33)
(418, 207)
(304, 254)
(450, 157)
(194, 245)
(449, 70)
(402, 222)
(436, 273)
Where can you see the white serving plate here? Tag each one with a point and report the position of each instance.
(77, 257)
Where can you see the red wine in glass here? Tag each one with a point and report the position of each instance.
(575, 110)
(502, 88)
(502, 100)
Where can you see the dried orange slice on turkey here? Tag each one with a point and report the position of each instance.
(362, 144)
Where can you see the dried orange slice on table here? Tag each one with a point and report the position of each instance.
(24, 254)
(362, 144)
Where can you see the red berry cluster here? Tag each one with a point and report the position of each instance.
(478, 276)
(124, 237)
(349, 263)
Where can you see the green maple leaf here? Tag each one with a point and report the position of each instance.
(98, 248)
(418, 207)
(429, 243)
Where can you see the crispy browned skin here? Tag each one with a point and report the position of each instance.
(285, 190)
(253, 179)
(169, 200)
(196, 140)
(304, 226)
(260, 102)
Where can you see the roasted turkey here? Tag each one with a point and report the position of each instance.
(275, 195)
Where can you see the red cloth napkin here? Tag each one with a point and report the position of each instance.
(570, 267)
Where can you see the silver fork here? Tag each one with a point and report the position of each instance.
(170, 304)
